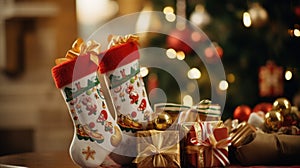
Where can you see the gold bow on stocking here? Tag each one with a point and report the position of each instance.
(80, 48)
(117, 40)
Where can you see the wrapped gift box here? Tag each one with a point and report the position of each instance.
(205, 144)
(158, 149)
(181, 113)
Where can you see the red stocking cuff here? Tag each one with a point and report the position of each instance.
(118, 56)
(69, 71)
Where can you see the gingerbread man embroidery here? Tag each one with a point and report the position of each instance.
(90, 106)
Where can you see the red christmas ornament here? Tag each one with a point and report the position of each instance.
(297, 11)
(219, 51)
(179, 40)
(264, 107)
(242, 113)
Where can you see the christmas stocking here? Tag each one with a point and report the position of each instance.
(96, 131)
(120, 65)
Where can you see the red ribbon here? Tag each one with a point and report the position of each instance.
(206, 139)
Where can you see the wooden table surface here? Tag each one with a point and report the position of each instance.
(62, 160)
(38, 160)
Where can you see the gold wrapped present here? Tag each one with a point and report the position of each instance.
(158, 149)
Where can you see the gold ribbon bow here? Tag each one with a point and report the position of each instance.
(115, 40)
(207, 142)
(80, 48)
(163, 150)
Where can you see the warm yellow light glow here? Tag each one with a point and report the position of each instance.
(197, 18)
(200, 17)
(288, 75)
(194, 73)
(187, 100)
(171, 53)
(180, 55)
(94, 11)
(297, 32)
(169, 14)
(223, 85)
(144, 20)
(144, 71)
(258, 14)
(230, 78)
(246, 19)
(168, 9)
(170, 17)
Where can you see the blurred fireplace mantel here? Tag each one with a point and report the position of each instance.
(21, 11)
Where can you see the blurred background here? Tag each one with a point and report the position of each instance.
(258, 42)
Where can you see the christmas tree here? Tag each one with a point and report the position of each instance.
(273, 35)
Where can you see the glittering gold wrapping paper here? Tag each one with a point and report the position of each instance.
(158, 149)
